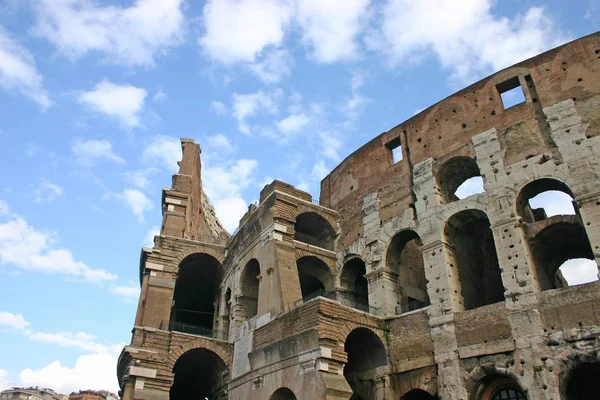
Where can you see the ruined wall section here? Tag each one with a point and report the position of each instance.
(187, 212)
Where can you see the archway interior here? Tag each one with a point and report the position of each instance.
(459, 172)
(199, 374)
(471, 249)
(404, 257)
(196, 292)
(555, 250)
(313, 229)
(315, 277)
(584, 382)
(544, 198)
(365, 352)
(250, 288)
(283, 394)
(499, 387)
(418, 394)
(355, 284)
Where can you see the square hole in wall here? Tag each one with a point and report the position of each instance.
(511, 92)
(395, 147)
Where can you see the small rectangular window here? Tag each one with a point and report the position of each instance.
(395, 147)
(511, 92)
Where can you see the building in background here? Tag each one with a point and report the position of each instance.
(31, 393)
(93, 395)
(392, 286)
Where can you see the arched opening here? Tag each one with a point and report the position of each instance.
(313, 229)
(544, 198)
(315, 277)
(354, 286)
(584, 382)
(405, 258)
(283, 394)
(365, 352)
(199, 374)
(499, 387)
(196, 293)
(455, 173)
(227, 313)
(418, 394)
(250, 286)
(471, 250)
(562, 249)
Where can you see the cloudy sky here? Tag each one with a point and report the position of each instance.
(95, 94)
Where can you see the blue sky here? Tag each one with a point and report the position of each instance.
(94, 96)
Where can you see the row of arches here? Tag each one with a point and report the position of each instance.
(201, 373)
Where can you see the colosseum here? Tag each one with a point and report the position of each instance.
(390, 286)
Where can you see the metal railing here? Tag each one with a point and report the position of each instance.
(313, 240)
(196, 330)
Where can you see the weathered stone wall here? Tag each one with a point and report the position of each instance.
(471, 267)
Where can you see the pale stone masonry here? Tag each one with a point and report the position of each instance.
(390, 286)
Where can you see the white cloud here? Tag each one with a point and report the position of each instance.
(140, 177)
(159, 95)
(356, 104)
(579, 271)
(250, 105)
(469, 40)
(24, 246)
(80, 340)
(4, 210)
(220, 142)
(89, 151)
(330, 144)
(292, 124)
(131, 292)
(14, 321)
(218, 107)
(330, 28)
(136, 200)
(18, 71)
(319, 171)
(240, 30)
(125, 35)
(224, 184)
(149, 236)
(46, 191)
(163, 149)
(91, 371)
(123, 102)
(275, 65)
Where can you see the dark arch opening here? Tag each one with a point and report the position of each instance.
(454, 173)
(471, 249)
(315, 277)
(283, 394)
(196, 293)
(313, 229)
(365, 352)
(250, 289)
(556, 244)
(199, 374)
(418, 394)
(537, 188)
(355, 288)
(499, 387)
(227, 313)
(404, 257)
(584, 382)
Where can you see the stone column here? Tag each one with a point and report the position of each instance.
(383, 288)
(128, 389)
(589, 210)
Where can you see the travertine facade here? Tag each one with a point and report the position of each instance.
(390, 287)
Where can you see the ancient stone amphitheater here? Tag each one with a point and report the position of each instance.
(390, 286)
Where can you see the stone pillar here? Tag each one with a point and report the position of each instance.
(128, 389)
(589, 210)
(383, 292)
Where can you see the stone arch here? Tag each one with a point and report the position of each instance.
(353, 286)
(471, 253)
(303, 208)
(223, 350)
(576, 361)
(196, 295)
(328, 260)
(583, 381)
(366, 352)
(218, 254)
(312, 228)
(199, 373)
(499, 387)
(453, 173)
(283, 394)
(315, 277)
(418, 394)
(404, 257)
(250, 288)
(531, 189)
